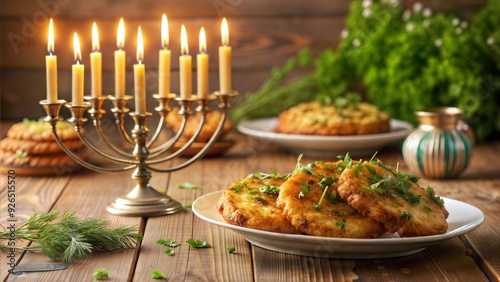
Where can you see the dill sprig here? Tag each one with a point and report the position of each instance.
(70, 238)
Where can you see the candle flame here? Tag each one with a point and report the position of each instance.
(140, 46)
(50, 45)
(120, 40)
(184, 41)
(203, 41)
(95, 38)
(164, 31)
(225, 32)
(78, 53)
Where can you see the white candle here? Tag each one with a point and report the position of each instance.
(225, 60)
(164, 66)
(120, 62)
(185, 66)
(202, 66)
(51, 67)
(140, 77)
(78, 70)
(96, 64)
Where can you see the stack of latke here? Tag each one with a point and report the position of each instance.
(344, 199)
(212, 120)
(31, 149)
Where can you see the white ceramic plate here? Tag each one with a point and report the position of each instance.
(325, 146)
(463, 218)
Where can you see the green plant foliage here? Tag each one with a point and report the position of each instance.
(407, 60)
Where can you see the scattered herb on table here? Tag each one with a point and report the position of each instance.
(156, 274)
(187, 185)
(169, 251)
(231, 249)
(168, 243)
(68, 238)
(198, 243)
(101, 274)
(188, 206)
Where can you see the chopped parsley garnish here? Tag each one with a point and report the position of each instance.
(357, 169)
(341, 223)
(198, 243)
(260, 199)
(274, 175)
(231, 249)
(168, 243)
(156, 274)
(406, 215)
(237, 187)
(101, 274)
(337, 212)
(384, 183)
(253, 191)
(432, 195)
(269, 189)
(305, 188)
(169, 251)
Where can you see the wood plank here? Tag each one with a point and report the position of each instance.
(445, 262)
(88, 193)
(32, 194)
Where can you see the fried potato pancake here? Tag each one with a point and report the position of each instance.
(212, 120)
(251, 203)
(393, 198)
(309, 201)
(313, 118)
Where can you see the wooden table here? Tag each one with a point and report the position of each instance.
(473, 257)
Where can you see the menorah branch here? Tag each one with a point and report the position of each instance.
(142, 200)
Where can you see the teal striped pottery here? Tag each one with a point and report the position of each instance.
(436, 148)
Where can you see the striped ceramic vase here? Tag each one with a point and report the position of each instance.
(437, 149)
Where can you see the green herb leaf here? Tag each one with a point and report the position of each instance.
(432, 195)
(156, 274)
(406, 215)
(231, 249)
(101, 274)
(169, 251)
(269, 189)
(341, 223)
(168, 243)
(198, 243)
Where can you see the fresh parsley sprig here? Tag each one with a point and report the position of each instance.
(198, 243)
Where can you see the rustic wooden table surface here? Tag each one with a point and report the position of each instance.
(472, 257)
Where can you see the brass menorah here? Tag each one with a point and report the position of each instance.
(143, 199)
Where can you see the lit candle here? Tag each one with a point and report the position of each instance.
(140, 77)
(164, 67)
(96, 64)
(185, 66)
(78, 70)
(51, 67)
(202, 66)
(120, 61)
(225, 60)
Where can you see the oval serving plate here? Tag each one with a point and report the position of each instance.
(463, 218)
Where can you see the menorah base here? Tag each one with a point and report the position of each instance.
(145, 202)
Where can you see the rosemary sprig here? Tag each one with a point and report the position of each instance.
(70, 238)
